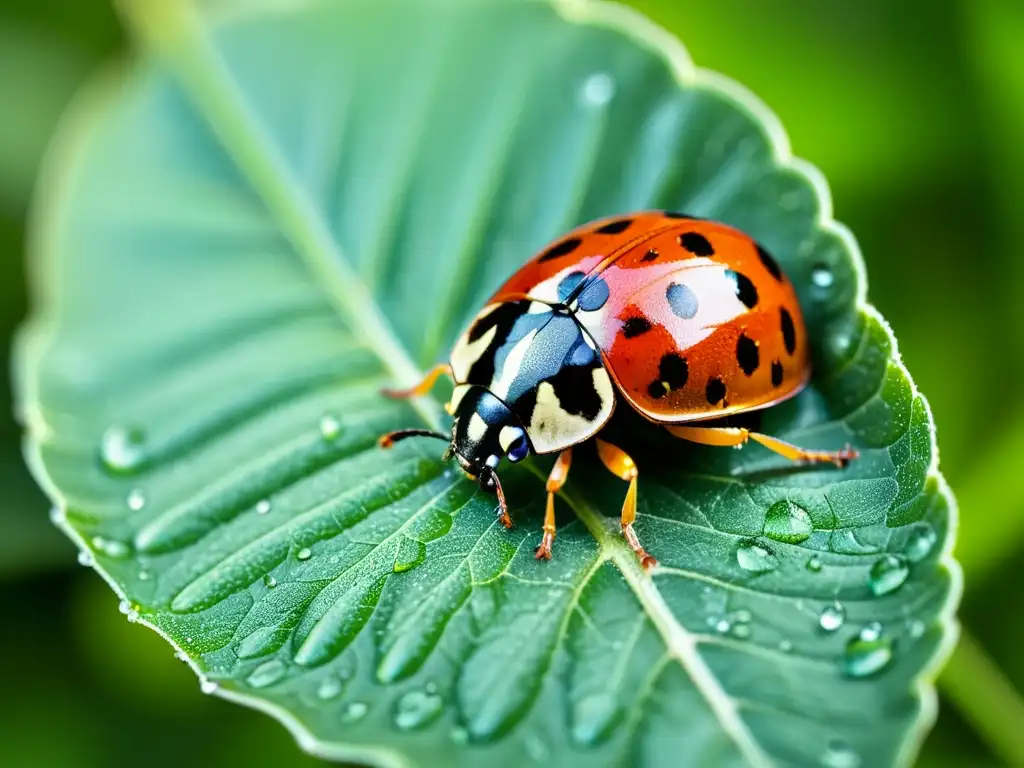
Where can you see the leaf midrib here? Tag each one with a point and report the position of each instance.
(174, 30)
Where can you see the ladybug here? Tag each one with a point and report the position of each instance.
(684, 319)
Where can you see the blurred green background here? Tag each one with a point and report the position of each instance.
(913, 110)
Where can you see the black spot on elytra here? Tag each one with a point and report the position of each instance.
(614, 227)
(769, 263)
(563, 248)
(635, 326)
(747, 355)
(575, 390)
(651, 255)
(676, 215)
(682, 300)
(715, 391)
(594, 296)
(673, 370)
(569, 284)
(656, 390)
(776, 373)
(788, 331)
(696, 244)
(744, 287)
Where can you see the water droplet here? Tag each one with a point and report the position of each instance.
(330, 426)
(598, 89)
(814, 564)
(787, 522)
(143, 575)
(722, 626)
(136, 500)
(208, 686)
(410, 554)
(269, 581)
(354, 712)
(460, 735)
(916, 628)
(735, 624)
(57, 515)
(822, 276)
(329, 688)
(124, 606)
(920, 543)
(417, 709)
(262, 507)
(832, 617)
(110, 547)
(122, 449)
(888, 574)
(85, 558)
(785, 646)
(839, 754)
(181, 655)
(740, 631)
(267, 673)
(537, 749)
(304, 554)
(755, 558)
(867, 653)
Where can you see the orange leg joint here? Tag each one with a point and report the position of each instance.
(736, 436)
(559, 474)
(424, 386)
(622, 466)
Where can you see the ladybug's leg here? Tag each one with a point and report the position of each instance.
(621, 465)
(442, 369)
(736, 436)
(557, 478)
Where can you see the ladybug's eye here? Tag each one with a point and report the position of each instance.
(518, 449)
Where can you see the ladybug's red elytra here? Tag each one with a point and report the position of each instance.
(684, 319)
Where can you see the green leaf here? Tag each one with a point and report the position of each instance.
(278, 211)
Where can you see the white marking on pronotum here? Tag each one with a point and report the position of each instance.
(477, 428)
(512, 365)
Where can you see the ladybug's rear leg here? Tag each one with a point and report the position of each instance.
(736, 436)
(557, 478)
(621, 465)
(428, 381)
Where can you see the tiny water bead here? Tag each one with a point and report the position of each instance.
(752, 557)
(920, 543)
(867, 653)
(888, 574)
(269, 581)
(57, 515)
(208, 686)
(136, 500)
(814, 564)
(262, 507)
(839, 754)
(832, 617)
(410, 554)
(329, 688)
(735, 624)
(822, 277)
(354, 712)
(460, 735)
(417, 709)
(110, 547)
(916, 628)
(785, 646)
(330, 426)
(304, 554)
(122, 449)
(787, 522)
(598, 89)
(267, 673)
(85, 558)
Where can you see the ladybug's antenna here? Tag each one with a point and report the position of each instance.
(388, 440)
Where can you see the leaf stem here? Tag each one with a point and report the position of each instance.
(986, 698)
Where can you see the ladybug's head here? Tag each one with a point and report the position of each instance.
(484, 431)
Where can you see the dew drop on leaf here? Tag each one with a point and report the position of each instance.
(57, 515)
(888, 574)
(920, 543)
(410, 554)
(330, 426)
(867, 653)
(304, 554)
(269, 581)
(839, 754)
(329, 688)
(597, 90)
(208, 686)
(136, 500)
(267, 673)
(785, 646)
(787, 522)
(122, 449)
(460, 735)
(916, 628)
(354, 712)
(110, 547)
(822, 277)
(832, 617)
(262, 507)
(814, 564)
(85, 558)
(143, 576)
(755, 558)
(417, 709)
(537, 749)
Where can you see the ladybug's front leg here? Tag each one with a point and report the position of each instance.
(621, 465)
(559, 474)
